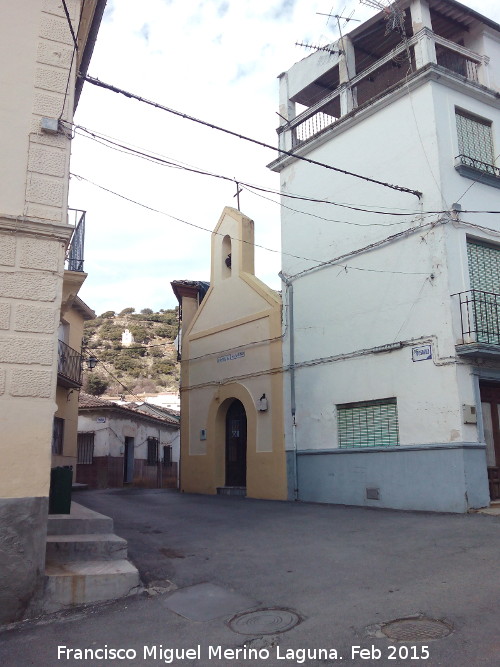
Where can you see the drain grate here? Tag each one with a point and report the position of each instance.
(264, 621)
(416, 629)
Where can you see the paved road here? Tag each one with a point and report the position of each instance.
(344, 571)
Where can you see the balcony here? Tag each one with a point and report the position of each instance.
(69, 366)
(373, 61)
(477, 170)
(480, 323)
(75, 252)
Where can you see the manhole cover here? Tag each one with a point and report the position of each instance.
(416, 629)
(264, 622)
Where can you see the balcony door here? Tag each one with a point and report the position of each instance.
(484, 272)
(490, 402)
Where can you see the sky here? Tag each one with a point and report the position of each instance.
(217, 60)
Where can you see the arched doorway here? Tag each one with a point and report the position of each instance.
(236, 445)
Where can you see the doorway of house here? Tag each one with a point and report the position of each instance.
(236, 445)
(128, 461)
(490, 403)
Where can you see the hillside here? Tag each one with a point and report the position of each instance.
(149, 364)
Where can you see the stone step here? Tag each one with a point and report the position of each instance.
(81, 582)
(80, 521)
(90, 546)
(232, 490)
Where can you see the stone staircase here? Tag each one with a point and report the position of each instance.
(85, 561)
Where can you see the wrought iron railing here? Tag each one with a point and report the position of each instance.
(480, 316)
(69, 365)
(75, 252)
(478, 164)
(312, 126)
(457, 63)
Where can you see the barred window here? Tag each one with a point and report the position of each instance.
(57, 435)
(152, 451)
(85, 445)
(368, 424)
(475, 139)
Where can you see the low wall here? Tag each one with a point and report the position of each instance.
(107, 472)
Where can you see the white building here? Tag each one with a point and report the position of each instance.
(127, 338)
(393, 294)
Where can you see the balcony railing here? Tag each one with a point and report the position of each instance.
(382, 75)
(457, 63)
(312, 126)
(480, 317)
(75, 254)
(69, 366)
(471, 162)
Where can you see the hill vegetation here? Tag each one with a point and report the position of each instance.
(148, 365)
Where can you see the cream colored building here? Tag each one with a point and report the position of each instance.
(231, 373)
(39, 89)
(69, 382)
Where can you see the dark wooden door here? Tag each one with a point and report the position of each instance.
(490, 403)
(128, 461)
(236, 445)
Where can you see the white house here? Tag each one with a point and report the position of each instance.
(120, 445)
(392, 338)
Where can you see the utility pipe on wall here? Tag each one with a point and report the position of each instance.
(289, 286)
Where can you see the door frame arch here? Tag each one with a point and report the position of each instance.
(217, 413)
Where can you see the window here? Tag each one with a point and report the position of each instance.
(57, 436)
(484, 302)
(475, 140)
(152, 451)
(368, 424)
(167, 455)
(85, 445)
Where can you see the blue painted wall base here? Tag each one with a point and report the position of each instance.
(436, 478)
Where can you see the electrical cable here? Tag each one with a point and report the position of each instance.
(70, 24)
(157, 105)
(109, 142)
(131, 393)
(320, 263)
(151, 157)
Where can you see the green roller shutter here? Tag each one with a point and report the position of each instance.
(368, 424)
(484, 272)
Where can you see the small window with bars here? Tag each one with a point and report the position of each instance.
(152, 451)
(57, 436)
(85, 447)
(368, 424)
(475, 141)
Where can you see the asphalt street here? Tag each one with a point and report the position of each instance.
(336, 574)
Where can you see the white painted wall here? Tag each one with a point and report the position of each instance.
(412, 142)
(110, 436)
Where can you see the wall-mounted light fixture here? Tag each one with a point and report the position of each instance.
(262, 404)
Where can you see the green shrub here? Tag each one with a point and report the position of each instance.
(95, 384)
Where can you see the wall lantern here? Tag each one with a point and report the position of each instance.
(262, 404)
(91, 363)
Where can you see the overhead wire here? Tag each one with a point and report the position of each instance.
(168, 162)
(75, 50)
(157, 105)
(320, 263)
(157, 158)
